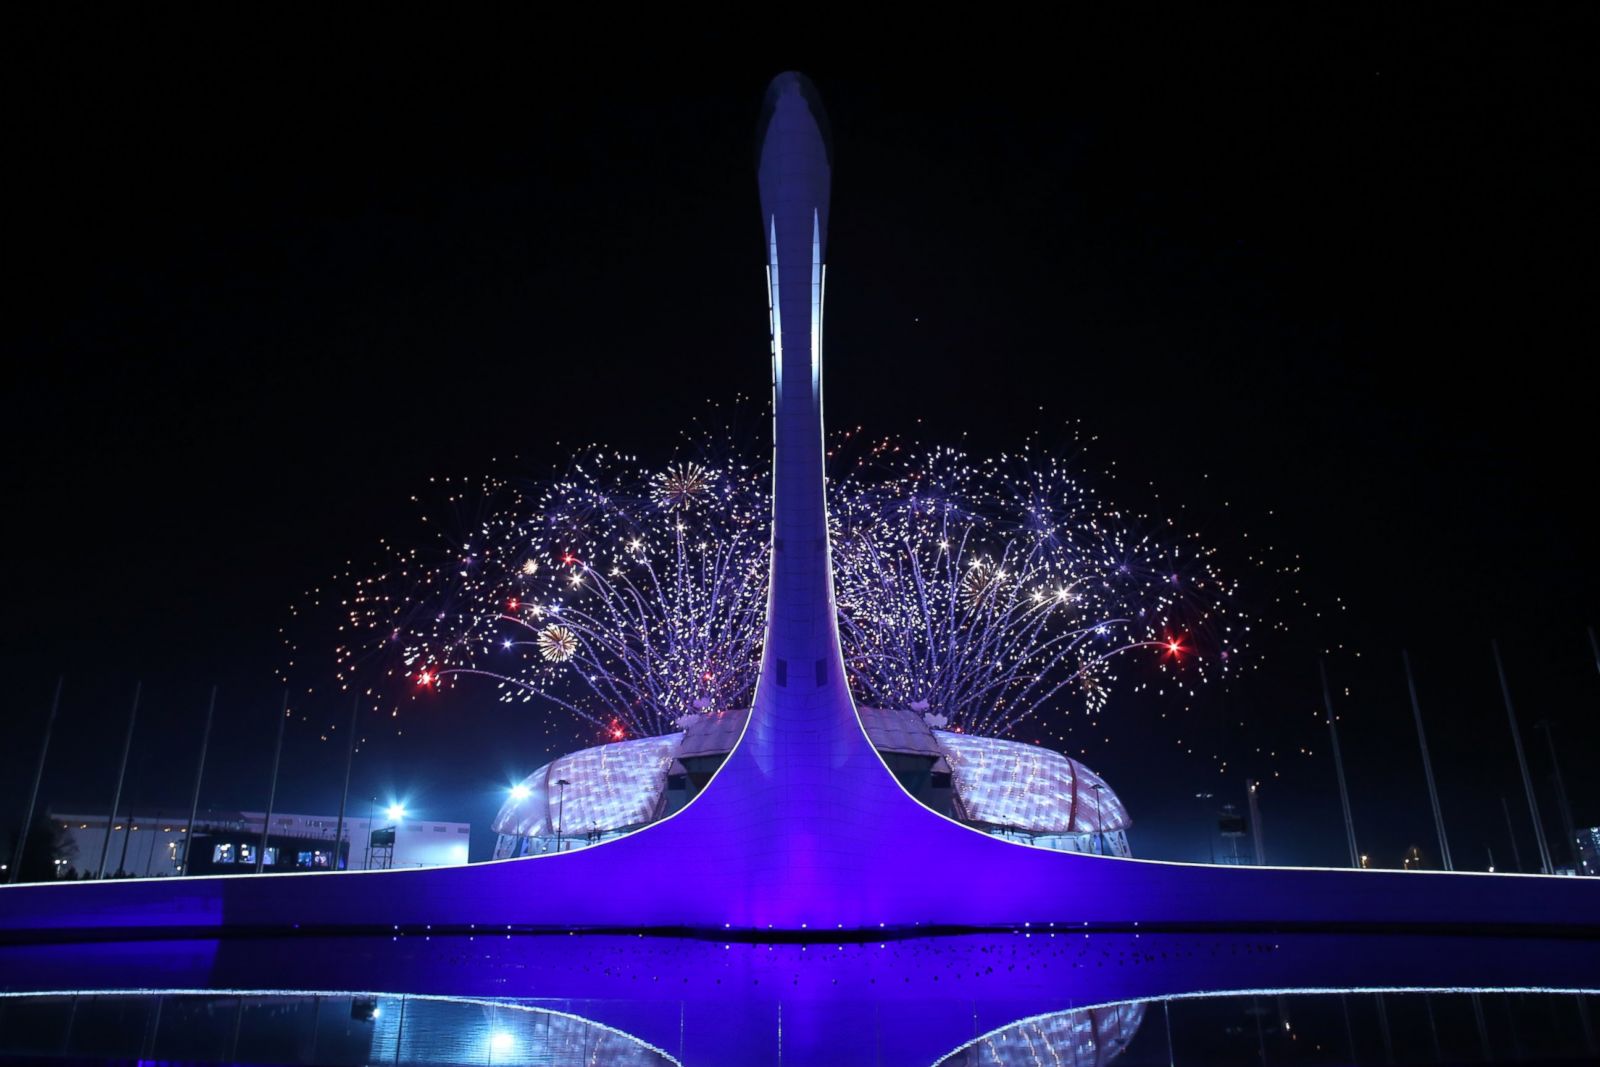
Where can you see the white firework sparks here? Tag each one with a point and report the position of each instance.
(681, 485)
(557, 644)
(985, 592)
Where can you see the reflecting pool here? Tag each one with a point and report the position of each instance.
(1435, 1026)
(1046, 996)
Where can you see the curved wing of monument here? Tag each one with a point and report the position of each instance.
(790, 832)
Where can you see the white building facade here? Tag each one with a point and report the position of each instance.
(153, 844)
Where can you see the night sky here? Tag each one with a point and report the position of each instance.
(1323, 286)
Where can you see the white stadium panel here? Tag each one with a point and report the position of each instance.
(609, 787)
(1012, 784)
(612, 786)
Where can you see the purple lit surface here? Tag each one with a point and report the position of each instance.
(804, 829)
(803, 908)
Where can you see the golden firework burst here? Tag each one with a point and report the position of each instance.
(679, 486)
(557, 643)
(983, 584)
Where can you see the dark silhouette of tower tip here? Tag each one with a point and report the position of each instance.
(792, 82)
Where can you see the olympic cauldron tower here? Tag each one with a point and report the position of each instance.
(804, 828)
(814, 794)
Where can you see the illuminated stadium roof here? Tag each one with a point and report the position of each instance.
(898, 730)
(1027, 787)
(1004, 784)
(608, 787)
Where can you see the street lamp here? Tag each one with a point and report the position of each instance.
(561, 807)
(397, 812)
(1099, 838)
(1205, 807)
(519, 793)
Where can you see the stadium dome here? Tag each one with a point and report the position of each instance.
(1013, 790)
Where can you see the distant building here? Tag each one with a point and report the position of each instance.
(1589, 851)
(151, 843)
(1020, 792)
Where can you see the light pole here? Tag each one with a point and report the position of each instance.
(520, 792)
(1205, 816)
(1251, 788)
(395, 812)
(1099, 838)
(561, 807)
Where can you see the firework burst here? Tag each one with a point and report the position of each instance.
(557, 644)
(982, 593)
(991, 592)
(680, 486)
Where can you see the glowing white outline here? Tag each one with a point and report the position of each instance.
(816, 313)
(775, 313)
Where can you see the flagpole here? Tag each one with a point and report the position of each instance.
(272, 791)
(1427, 765)
(344, 798)
(1522, 763)
(1567, 824)
(1511, 832)
(199, 772)
(122, 774)
(1338, 768)
(38, 776)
